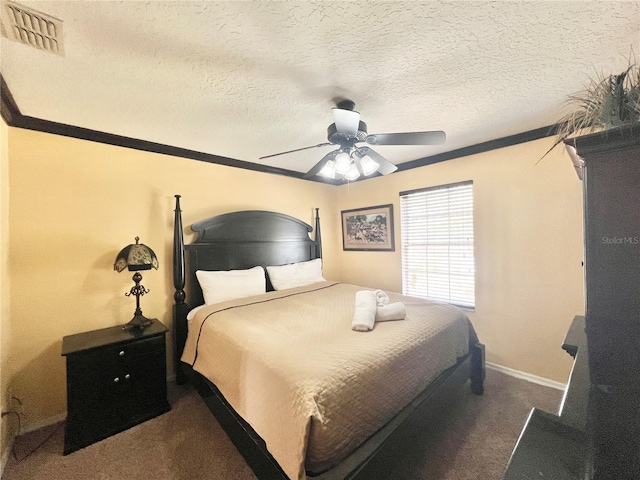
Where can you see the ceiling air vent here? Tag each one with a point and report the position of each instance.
(33, 28)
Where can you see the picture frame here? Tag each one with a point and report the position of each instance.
(368, 229)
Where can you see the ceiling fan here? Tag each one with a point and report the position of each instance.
(350, 161)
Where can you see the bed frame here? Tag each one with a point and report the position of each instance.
(242, 240)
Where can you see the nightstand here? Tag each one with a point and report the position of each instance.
(115, 379)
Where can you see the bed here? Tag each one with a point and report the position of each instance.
(329, 409)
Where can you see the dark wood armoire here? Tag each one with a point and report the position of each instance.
(611, 176)
(596, 433)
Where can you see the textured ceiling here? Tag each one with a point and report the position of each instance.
(247, 79)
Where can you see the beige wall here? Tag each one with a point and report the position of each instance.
(528, 249)
(8, 424)
(74, 205)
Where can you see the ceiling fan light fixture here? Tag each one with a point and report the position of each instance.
(351, 161)
(343, 163)
(368, 165)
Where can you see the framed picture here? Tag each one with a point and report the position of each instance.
(368, 229)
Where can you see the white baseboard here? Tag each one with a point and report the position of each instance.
(45, 422)
(527, 376)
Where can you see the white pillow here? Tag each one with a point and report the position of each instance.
(220, 286)
(296, 274)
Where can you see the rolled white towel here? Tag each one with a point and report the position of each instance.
(393, 311)
(364, 315)
(381, 298)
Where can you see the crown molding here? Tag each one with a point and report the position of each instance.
(495, 144)
(14, 118)
(8, 107)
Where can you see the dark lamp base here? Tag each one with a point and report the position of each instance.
(138, 321)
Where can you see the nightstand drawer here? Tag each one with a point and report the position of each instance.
(115, 356)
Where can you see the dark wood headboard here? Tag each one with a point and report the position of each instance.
(233, 241)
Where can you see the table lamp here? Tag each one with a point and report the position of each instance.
(135, 257)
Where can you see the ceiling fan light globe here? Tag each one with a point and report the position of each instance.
(328, 170)
(368, 165)
(343, 163)
(352, 174)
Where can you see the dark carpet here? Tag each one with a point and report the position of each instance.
(471, 440)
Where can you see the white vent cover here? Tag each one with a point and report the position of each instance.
(33, 28)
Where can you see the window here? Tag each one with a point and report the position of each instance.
(437, 243)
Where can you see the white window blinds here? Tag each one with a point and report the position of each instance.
(437, 243)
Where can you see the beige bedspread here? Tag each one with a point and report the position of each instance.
(311, 387)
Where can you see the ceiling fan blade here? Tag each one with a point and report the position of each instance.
(320, 165)
(435, 137)
(385, 166)
(296, 150)
(346, 121)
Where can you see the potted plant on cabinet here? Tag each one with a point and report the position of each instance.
(608, 102)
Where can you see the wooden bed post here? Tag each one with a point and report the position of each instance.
(180, 309)
(318, 252)
(477, 368)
